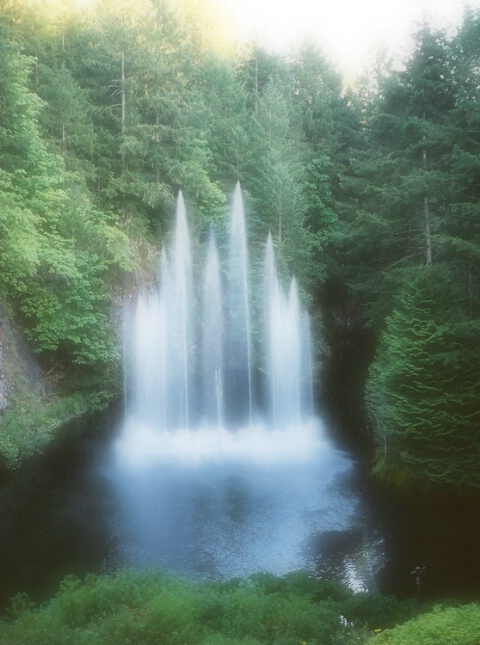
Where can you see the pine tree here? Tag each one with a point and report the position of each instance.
(279, 183)
(423, 388)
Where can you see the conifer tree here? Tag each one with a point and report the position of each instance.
(423, 387)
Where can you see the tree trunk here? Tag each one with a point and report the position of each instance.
(64, 147)
(124, 108)
(470, 287)
(426, 216)
(428, 233)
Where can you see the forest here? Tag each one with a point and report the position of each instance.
(371, 194)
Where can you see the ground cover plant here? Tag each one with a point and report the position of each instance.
(140, 608)
(448, 626)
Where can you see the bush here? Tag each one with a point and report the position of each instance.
(375, 611)
(145, 608)
(448, 626)
(32, 423)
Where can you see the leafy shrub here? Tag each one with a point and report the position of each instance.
(448, 626)
(146, 608)
(32, 423)
(378, 612)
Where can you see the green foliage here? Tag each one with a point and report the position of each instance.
(408, 153)
(422, 390)
(149, 607)
(279, 181)
(378, 612)
(31, 423)
(448, 626)
(105, 115)
(56, 251)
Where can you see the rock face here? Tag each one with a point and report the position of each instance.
(3, 384)
(19, 368)
(6, 382)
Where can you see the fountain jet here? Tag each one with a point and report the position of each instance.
(192, 362)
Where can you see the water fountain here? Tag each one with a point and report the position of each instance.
(193, 368)
(221, 467)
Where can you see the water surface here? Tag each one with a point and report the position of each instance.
(219, 504)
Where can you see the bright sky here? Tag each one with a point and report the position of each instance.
(349, 31)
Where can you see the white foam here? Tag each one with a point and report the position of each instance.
(142, 446)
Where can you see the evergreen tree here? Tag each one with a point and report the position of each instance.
(423, 387)
(279, 183)
(318, 109)
(226, 120)
(459, 238)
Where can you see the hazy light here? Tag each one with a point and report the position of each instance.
(349, 31)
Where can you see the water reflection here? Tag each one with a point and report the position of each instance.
(354, 556)
(235, 513)
(72, 513)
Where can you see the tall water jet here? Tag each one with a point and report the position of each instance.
(306, 362)
(179, 304)
(239, 348)
(148, 396)
(191, 357)
(221, 464)
(160, 366)
(284, 346)
(213, 328)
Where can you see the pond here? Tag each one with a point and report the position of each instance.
(81, 509)
(258, 501)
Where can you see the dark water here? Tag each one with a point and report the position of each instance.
(71, 513)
